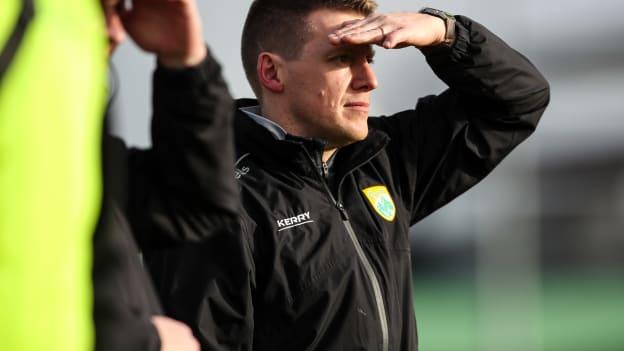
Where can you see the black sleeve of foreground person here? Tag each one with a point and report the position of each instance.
(124, 299)
(209, 286)
(449, 142)
(184, 186)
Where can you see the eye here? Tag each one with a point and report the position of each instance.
(342, 59)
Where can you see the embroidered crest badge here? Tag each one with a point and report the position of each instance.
(380, 199)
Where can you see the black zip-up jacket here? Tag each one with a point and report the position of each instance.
(323, 263)
(184, 178)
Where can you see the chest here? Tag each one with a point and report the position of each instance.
(301, 223)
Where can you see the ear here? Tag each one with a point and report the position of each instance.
(268, 70)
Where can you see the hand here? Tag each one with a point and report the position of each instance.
(169, 28)
(174, 335)
(392, 30)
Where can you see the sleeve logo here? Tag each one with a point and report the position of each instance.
(380, 199)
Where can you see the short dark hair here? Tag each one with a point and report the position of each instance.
(280, 26)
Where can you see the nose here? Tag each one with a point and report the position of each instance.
(364, 78)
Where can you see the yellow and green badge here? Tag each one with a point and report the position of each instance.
(382, 202)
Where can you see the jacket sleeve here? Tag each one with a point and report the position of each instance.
(124, 300)
(450, 142)
(183, 188)
(209, 286)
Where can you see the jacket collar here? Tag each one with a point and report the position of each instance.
(294, 153)
(255, 114)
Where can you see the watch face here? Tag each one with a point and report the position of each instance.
(435, 12)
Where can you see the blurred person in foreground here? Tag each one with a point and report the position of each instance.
(329, 193)
(185, 177)
(52, 97)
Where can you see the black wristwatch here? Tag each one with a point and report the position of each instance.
(449, 21)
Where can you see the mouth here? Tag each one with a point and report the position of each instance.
(357, 105)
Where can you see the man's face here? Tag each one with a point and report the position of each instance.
(327, 89)
(114, 28)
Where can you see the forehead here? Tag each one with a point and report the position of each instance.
(328, 20)
(321, 23)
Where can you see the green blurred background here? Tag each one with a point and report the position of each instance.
(569, 313)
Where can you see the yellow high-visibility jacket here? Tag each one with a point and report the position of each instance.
(52, 95)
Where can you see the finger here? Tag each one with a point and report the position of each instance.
(349, 23)
(373, 36)
(371, 27)
(368, 28)
(357, 25)
(395, 39)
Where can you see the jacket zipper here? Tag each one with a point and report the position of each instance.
(381, 307)
(325, 169)
(368, 268)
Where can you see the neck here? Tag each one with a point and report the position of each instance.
(281, 117)
(328, 153)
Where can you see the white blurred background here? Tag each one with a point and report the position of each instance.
(531, 259)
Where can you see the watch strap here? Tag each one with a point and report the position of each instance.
(449, 21)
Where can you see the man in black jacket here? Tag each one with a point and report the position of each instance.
(184, 178)
(328, 192)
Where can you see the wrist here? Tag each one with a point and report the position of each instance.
(190, 59)
(185, 79)
(447, 34)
